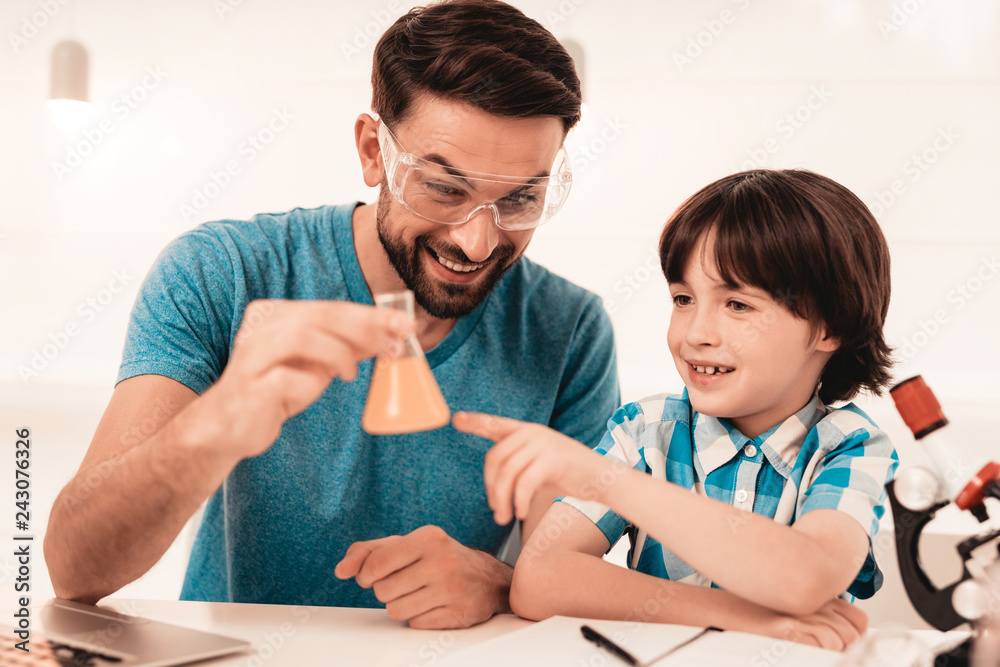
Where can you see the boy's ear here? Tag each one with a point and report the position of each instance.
(366, 138)
(827, 342)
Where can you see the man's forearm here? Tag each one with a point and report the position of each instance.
(116, 518)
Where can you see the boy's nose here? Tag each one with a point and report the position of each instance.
(703, 329)
(478, 236)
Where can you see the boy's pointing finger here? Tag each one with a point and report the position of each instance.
(491, 427)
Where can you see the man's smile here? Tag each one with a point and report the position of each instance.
(456, 266)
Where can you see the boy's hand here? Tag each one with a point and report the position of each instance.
(836, 625)
(529, 458)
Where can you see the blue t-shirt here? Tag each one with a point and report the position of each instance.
(821, 457)
(539, 349)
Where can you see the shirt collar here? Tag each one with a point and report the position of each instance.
(717, 441)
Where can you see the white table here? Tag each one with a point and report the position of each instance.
(291, 635)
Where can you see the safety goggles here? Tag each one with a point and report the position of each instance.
(453, 196)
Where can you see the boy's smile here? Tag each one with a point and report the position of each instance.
(742, 355)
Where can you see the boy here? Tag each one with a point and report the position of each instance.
(749, 481)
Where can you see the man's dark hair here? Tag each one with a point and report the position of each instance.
(481, 52)
(812, 245)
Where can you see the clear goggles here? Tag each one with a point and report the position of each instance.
(453, 196)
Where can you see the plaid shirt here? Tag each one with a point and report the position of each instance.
(819, 458)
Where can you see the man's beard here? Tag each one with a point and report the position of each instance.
(440, 299)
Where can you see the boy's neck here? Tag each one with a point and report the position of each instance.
(756, 425)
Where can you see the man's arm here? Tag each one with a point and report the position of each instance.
(566, 552)
(160, 450)
(129, 499)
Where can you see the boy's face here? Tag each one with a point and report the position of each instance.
(742, 355)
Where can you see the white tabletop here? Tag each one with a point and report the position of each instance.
(290, 635)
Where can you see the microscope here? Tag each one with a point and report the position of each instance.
(958, 476)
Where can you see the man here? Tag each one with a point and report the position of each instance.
(246, 362)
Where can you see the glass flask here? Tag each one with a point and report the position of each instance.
(403, 397)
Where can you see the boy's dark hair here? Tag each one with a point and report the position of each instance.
(811, 244)
(481, 52)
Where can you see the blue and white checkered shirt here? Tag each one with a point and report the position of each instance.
(819, 458)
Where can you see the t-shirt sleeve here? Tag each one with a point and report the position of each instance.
(588, 392)
(620, 442)
(181, 322)
(851, 478)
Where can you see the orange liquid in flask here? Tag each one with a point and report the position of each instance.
(403, 397)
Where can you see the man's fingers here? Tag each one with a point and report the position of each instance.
(356, 556)
(365, 330)
(389, 557)
(308, 349)
(413, 605)
(404, 581)
(426, 609)
(442, 618)
(491, 427)
(369, 330)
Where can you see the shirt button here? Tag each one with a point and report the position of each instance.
(742, 495)
(750, 451)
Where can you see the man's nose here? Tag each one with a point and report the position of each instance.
(478, 236)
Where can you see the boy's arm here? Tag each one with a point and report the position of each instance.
(567, 550)
(819, 556)
(793, 569)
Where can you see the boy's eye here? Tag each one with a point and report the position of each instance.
(738, 306)
(682, 300)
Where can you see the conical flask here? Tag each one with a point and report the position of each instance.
(403, 397)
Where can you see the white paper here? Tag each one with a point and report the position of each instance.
(558, 641)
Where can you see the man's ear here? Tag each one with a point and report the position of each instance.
(366, 138)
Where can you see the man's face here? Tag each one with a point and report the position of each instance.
(452, 268)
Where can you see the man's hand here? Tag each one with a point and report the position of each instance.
(284, 356)
(428, 579)
(530, 458)
(835, 626)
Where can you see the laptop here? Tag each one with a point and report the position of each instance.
(71, 633)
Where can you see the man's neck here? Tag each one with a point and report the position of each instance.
(381, 276)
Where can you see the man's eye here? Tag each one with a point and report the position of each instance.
(442, 189)
(682, 300)
(520, 199)
(739, 306)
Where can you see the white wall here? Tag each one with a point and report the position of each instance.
(897, 100)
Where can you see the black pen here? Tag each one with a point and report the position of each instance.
(593, 635)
